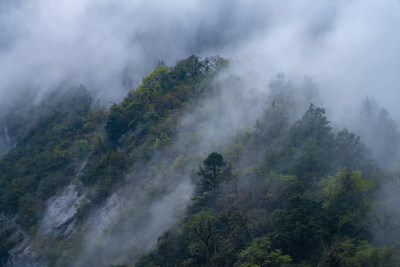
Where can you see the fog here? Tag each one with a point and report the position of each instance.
(156, 193)
(350, 49)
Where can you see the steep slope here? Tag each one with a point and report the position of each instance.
(60, 176)
(278, 184)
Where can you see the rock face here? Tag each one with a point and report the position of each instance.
(22, 254)
(61, 209)
(107, 213)
(57, 220)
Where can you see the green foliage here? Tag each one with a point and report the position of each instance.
(81, 149)
(349, 151)
(116, 123)
(104, 173)
(313, 125)
(201, 228)
(280, 208)
(311, 142)
(161, 93)
(300, 228)
(274, 124)
(48, 154)
(349, 252)
(289, 198)
(260, 254)
(346, 199)
(29, 206)
(213, 173)
(151, 84)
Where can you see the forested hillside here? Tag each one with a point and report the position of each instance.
(151, 182)
(286, 193)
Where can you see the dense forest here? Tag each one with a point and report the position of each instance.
(289, 188)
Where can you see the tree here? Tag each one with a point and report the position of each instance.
(81, 149)
(300, 227)
(380, 132)
(272, 128)
(311, 141)
(116, 123)
(282, 91)
(350, 252)
(201, 228)
(349, 151)
(218, 63)
(212, 174)
(151, 84)
(260, 254)
(313, 124)
(346, 200)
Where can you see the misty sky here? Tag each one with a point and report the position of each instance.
(351, 48)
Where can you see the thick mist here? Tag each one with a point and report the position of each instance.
(350, 49)
(108, 46)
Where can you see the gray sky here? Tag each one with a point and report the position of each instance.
(351, 48)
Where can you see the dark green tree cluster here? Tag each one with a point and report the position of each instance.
(162, 92)
(303, 200)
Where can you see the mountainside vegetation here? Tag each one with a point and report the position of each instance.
(290, 190)
(306, 199)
